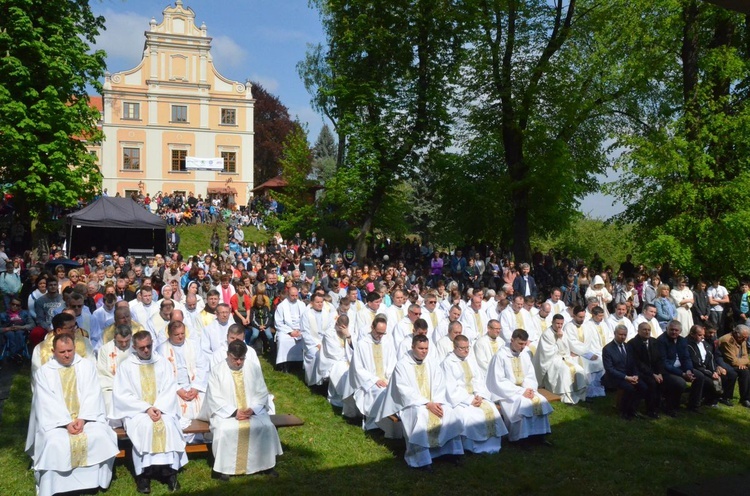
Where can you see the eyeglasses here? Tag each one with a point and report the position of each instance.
(463, 348)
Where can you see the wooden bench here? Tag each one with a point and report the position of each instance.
(201, 427)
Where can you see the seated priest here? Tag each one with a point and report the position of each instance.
(245, 440)
(417, 394)
(467, 393)
(512, 382)
(74, 446)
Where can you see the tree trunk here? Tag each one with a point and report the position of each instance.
(360, 244)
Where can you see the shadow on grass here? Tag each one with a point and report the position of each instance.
(595, 452)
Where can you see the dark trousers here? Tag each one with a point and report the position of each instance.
(631, 395)
(675, 385)
(741, 376)
(652, 392)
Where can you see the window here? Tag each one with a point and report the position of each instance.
(230, 161)
(179, 113)
(131, 158)
(178, 160)
(131, 110)
(229, 116)
(131, 193)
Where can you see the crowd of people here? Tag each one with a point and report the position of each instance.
(452, 353)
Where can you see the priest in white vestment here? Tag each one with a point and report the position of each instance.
(122, 316)
(101, 318)
(61, 323)
(596, 336)
(648, 315)
(433, 314)
(338, 350)
(489, 344)
(287, 318)
(419, 328)
(245, 440)
(216, 332)
(405, 327)
(158, 321)
(397, 311)
(145, 399)
(74, 446)
(189, 368)
(517, 317)
(474, 320)
(454, 315)
(372, 364)
(366, 315)
(620, 318)
(468, 395)
(110, 356)
(417, 394)
(556, 370)
(314, 324)
(512, 382)
(444, 347)
(142, 308)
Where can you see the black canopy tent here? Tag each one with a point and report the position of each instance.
(116, 224)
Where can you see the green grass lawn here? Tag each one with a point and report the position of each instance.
(198, 237)
(595, 452)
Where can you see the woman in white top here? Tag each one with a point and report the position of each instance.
(683, 297)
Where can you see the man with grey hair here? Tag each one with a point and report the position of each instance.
(733, 348)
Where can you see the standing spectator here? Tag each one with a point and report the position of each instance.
(718, 296)
(701, 307)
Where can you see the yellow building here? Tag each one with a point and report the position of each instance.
(172, 111)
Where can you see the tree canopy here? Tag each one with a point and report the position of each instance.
(45, 116)
(272, 125)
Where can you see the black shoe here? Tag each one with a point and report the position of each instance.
(627, 416)
(639, 415)
(726, 401)
(217, 476)
(653, 415)
(426, 468)
(694, 409)
(270, 473)
(745, 403)
(143, 484)
(670, 413)
(172, 483)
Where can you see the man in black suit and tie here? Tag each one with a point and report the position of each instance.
(650, 366)
(620, 372)
(524, 284)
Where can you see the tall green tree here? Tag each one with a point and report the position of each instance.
(686, 170)
(543, 90)
(45, 68)
(385, 81)
(324, 152)
(297, 200)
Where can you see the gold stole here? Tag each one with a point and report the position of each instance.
(377, 357)
(433, 317)
(400, 313)
(519, 321)
(654, 329)
(478, 323)
(494, 346)
(572, 369)
(45, 352)
(601, 334)
(433, 421)
(78, 442)
(519, 376)
(148, 392)
(243, 432)
(486, 407)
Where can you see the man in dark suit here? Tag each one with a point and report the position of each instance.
(173, 239)
(650, 367)
(524, 282)
(678, 366)
(620, 372)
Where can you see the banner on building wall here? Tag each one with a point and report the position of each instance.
(210, 164)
